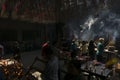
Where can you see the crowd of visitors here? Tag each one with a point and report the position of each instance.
(94, 49)
(74, 50)
(24, 46)
(52, 55)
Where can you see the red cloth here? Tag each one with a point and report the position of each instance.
(44, 46)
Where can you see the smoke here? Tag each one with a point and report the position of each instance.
(90, 22)
(104, 25)
(74, 30)
(107, 23)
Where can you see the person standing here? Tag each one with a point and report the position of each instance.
(16, 52)
(100, 49)
(51, 69)
(91, 49)
(73, 48)
(1, 50)
(84, 48)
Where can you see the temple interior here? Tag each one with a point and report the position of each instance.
(59, 40)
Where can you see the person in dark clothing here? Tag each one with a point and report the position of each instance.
(91, 49)
(74, 72)
(51, 69)
(73, 48)
(43, 49)
(100, 49)
(16, 52)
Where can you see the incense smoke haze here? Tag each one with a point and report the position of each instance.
(104, 25)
